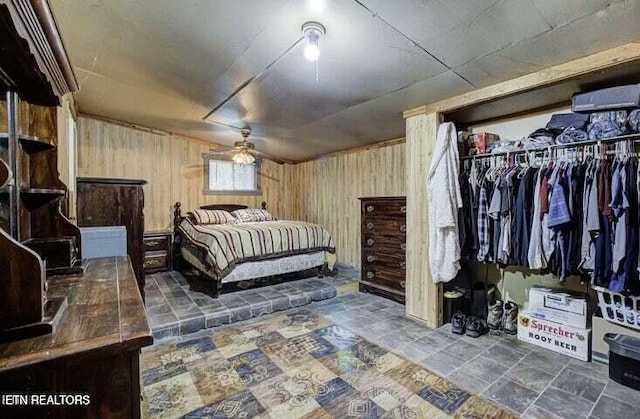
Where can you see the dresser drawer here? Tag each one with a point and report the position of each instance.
(396, 227)
(384, 208)
(384, 244)
(155, 262)
(156, 243)
(379, 276)
(389, 261)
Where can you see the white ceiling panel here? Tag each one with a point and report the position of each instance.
(611, 26)
(167, 63)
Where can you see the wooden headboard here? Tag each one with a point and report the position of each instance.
(178, 217)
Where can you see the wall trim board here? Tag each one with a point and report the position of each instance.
(358, 149)
(150, 130)
(554, 74)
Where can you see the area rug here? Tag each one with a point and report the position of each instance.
(296, 365)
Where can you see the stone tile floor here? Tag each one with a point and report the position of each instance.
(175, 307)
(295, 364)
(529, 381)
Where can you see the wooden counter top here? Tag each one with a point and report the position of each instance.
(105, 315)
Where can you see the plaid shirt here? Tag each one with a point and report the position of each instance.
(483, 224)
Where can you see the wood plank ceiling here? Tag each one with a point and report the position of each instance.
(167, 63)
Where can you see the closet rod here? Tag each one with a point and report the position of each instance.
(630, 137)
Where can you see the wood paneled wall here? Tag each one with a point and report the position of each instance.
(323, 191)
(326, 191)
(172, 165)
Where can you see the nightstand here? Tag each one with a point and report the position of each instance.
(157, 251)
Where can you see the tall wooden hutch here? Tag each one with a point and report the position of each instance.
(36, 239)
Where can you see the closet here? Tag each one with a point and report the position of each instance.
(530, 94)
(569, 209)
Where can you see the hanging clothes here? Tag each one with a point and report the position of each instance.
(563, 215)
(443, 201)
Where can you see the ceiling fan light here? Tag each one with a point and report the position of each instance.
(243, 158)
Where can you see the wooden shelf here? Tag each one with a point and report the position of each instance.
(34, 198)
(29, 143)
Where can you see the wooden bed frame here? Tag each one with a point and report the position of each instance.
(181, 265)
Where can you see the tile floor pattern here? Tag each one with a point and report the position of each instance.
(175, 309)
(340, 342)
(295, 365)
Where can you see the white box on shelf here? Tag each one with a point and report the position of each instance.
(567, 340)
(98, 242)
(557, 306)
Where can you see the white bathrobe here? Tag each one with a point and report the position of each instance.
(443, 202)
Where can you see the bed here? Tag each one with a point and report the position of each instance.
(250, 245)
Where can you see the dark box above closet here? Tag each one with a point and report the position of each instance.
(619, 97)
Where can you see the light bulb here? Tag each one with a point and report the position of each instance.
(312, 52)
(312, 32)
(243, 158)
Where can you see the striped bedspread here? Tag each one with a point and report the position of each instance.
(225, 245)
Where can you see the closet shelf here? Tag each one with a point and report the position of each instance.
(630, 137)
(30, 144)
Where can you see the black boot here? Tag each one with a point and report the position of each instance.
(458, 323)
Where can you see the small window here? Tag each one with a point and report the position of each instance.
(224, 177)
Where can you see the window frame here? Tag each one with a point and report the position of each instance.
(207, 157)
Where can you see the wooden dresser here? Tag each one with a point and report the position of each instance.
(116, 202)
(94, 351)
(157, 251)
(383, 242)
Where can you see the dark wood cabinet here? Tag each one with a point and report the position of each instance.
(95, 350)
(383, 242)
(36, 239)
(157, 251)
(116, 202)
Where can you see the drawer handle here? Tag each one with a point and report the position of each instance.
(370, 242)
(403, 284)
(370, 258)
(152, 262)
(403, 246)
(403, 209)
(153, 243)
(370, 208)
(370, 275)
(403, 228)
(403, 264)
(369, 226)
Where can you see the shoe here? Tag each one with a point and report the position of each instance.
(476, 327)
(458, 323)
(496, 311)
(510, 318)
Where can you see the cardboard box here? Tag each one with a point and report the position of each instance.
(600, 326)
(559, 307)
(567, 340)
(473, 144)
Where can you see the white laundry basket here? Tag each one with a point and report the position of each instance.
(618, 308)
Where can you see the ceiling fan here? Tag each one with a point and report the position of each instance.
(244, 152)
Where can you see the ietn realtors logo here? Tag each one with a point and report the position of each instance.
(44, 399)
